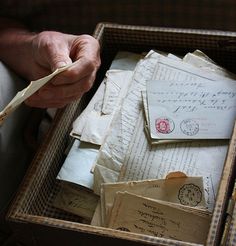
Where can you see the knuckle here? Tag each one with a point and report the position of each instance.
(88, 84)
(72, 75)
(92, 63)
(88, 39)
(47, 45)
(48, 40)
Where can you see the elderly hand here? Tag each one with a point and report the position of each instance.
(52, 50)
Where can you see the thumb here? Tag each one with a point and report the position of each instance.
(58, 56)
(58, 61)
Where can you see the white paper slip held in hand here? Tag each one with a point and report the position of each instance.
(21, 96)
(191, 109)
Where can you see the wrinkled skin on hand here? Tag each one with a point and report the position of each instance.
(52, 50)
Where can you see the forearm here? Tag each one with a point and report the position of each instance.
(15, 43)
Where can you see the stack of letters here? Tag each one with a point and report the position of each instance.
(150, 146)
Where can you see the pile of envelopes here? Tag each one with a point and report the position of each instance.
(192, 103)
(152, 115)
(163, 208)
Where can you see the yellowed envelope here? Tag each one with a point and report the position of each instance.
(187, 191)
(137, 214)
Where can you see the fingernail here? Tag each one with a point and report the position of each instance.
(59, 65)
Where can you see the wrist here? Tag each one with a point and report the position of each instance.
(16, 49)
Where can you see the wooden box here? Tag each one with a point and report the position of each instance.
(33, 218)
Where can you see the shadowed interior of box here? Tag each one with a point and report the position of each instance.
(40, 186)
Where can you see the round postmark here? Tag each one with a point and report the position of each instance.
(189, 127)
(164, 125)
(190, 195)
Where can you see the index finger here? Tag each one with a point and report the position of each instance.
(85, 51)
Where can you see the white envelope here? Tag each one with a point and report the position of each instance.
(191, 109)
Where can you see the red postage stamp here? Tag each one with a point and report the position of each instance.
(164, 125)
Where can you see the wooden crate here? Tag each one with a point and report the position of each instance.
(33, 218)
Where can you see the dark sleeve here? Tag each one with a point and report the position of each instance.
(82, 16)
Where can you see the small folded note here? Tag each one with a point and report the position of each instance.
(22, 95)
(76, 200)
